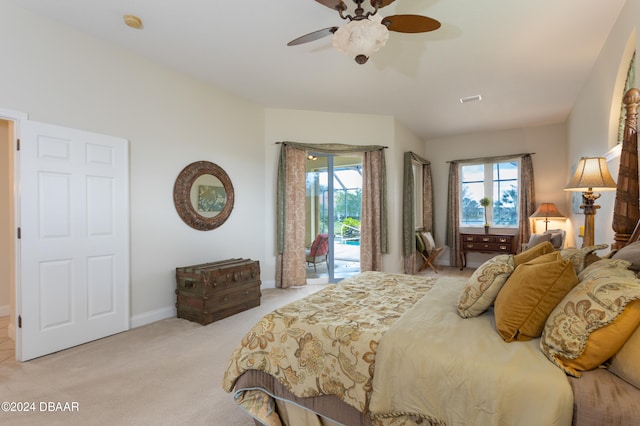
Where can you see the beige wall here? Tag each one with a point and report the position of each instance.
(591, 127)
(63, 77)
(549, 165)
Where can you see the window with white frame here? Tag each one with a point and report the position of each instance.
(498, 181)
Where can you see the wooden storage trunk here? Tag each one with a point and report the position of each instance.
(212, 291)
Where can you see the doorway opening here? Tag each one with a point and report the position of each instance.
(333, 208)
(7, 241)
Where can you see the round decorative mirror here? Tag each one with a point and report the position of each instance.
(203, 195)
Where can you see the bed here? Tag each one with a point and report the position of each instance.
(520, 342)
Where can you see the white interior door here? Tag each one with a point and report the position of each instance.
(73, 282)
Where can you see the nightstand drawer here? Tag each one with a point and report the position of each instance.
(489, 247)
(477, 238)
(486, 243)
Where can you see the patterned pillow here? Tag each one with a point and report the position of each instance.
(578, 255)
(606, 268)
(592, 322)
(483, 286)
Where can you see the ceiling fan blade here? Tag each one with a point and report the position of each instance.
(313, 36)
(410, 23)
(334, 4)
(381, 3)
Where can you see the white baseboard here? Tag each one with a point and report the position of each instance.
(153, 316)
(170, 311)
(5, 311)
(268, 284)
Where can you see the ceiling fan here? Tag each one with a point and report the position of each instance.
(366, 32)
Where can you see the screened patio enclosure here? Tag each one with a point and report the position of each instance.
(333, 207)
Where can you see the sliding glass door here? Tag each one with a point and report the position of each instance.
(333, 207)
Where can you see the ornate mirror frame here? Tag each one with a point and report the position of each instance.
(182, 195)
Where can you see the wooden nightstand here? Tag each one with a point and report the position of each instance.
(486, 243)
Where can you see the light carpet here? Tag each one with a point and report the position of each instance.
(165, 373)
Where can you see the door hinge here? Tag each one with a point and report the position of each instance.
(19, 233)
(19, 321)
(18, 144)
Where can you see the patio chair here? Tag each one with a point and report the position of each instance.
(426, 246)
(318, 251)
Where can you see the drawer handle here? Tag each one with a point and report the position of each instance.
(503, 247)
(469, 245)
(246, 293)
(225, 299)
(503, 240)
(486, 245)
(485, 239)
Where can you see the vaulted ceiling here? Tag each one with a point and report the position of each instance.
(527, 59)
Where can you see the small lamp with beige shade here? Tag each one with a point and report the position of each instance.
(547, 211)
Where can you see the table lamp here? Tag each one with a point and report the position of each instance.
(591, 175)
(547, 210)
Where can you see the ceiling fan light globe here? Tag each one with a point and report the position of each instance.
(362, 37)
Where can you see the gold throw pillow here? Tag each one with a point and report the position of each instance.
(530, 294)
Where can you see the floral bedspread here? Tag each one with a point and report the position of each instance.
(325, 344)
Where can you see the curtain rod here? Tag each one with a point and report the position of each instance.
(300, 143)
(495, 157)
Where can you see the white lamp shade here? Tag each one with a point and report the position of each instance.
(591, 174)
(363, 37)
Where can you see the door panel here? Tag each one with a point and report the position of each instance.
(334, 185)
(73, 285)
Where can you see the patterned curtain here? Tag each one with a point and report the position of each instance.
(290, 208)
(526, 200)
(427, 198)
(291, 191)
(409, 222)
(373, 241)
(453, 215)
